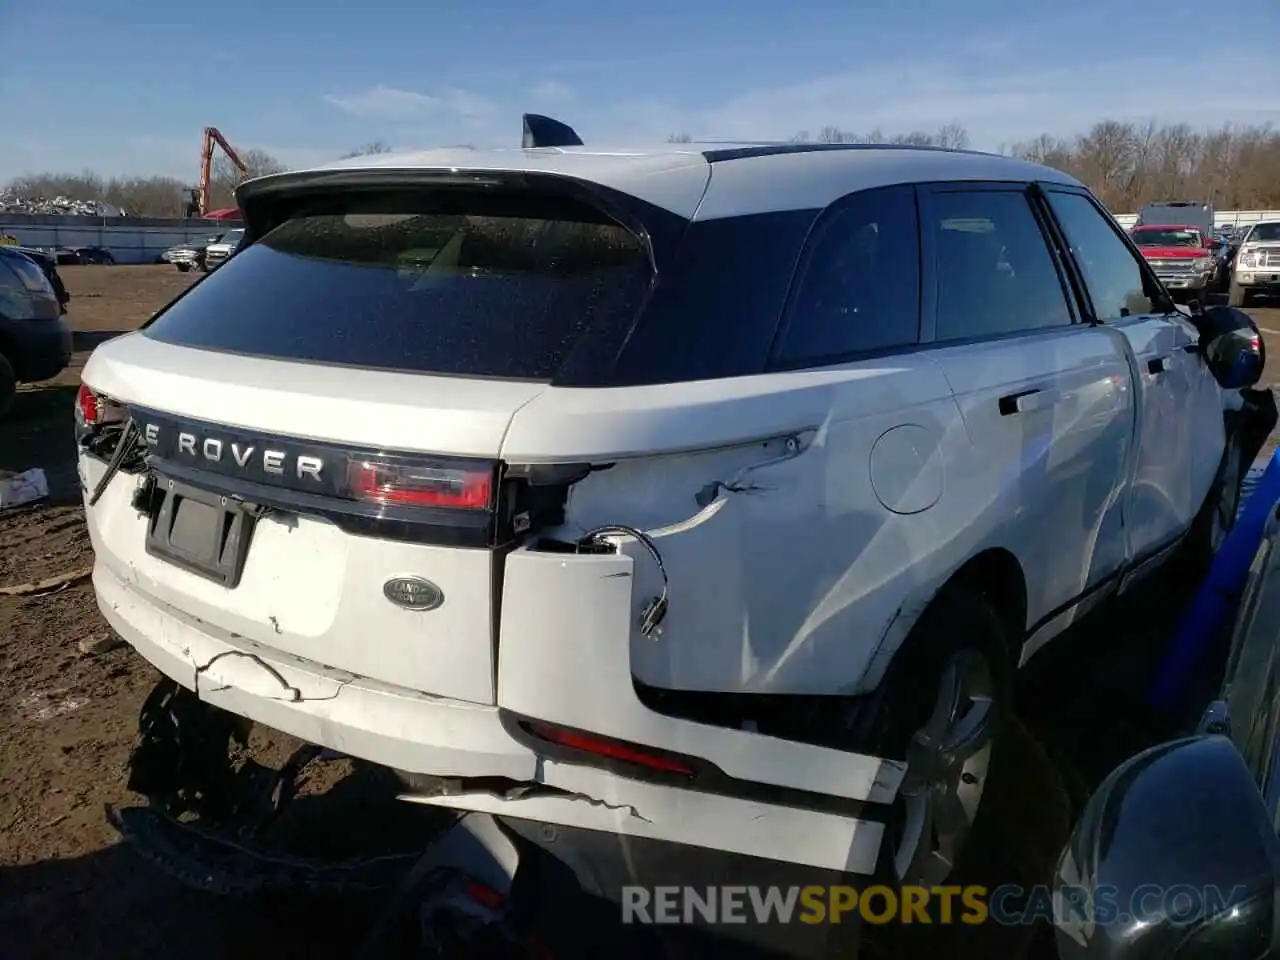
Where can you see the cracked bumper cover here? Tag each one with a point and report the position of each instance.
(414, 732)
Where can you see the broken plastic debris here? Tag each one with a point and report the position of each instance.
(24, 488)
(45, 705)
(99, 643)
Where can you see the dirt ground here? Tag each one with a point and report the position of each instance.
(68, 717)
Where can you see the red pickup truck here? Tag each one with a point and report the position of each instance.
(1181, 255)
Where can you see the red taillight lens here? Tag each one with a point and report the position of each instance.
(485, 896)
(421, 484)
(610, 749)
(87, 406)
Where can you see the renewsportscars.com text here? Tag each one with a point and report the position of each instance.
(1007, 905)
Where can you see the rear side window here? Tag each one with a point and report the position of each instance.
(447, 283)
(859, 285)
(994, 271)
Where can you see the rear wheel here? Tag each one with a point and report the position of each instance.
(8, 384)
(941, 708)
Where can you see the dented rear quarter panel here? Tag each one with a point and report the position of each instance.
(799, 516)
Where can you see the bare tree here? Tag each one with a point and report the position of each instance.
(369, 149)
(952, 135)
(1125, 164)
(225, 175)
(836, 135)
(1129, 164)
(137, 196)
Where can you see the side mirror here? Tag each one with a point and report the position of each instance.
(1232, 346)
(1174, 858)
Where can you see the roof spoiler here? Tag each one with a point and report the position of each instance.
(540, 131)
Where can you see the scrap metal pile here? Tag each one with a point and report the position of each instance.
(57, 206)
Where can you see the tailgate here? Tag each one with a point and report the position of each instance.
(311, 576)
(322, 418)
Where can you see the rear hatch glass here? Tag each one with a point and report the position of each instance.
(449, 282)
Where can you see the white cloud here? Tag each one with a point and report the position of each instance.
(152, 155)
(389, 103)
(552, 91)
(994, 101)
(467, 105)
(384, 102)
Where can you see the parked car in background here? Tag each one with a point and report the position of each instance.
(1190, 212)
(1222, 252)
(48, 265)
(1181, 256)
(767, 574)
(218, 252)
(1257, 264)
(35, 341)
(85, 255)
(189, 254)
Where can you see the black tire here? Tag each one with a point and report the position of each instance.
(183, 267)
(8, 384)
(1237, 296)
(1218, 512)
(958, 625)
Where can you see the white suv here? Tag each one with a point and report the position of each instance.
(705, 496)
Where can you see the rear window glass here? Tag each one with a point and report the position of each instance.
(13, 295)
(32, 277)
(429, 284)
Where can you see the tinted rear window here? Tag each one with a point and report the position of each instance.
(428, 283)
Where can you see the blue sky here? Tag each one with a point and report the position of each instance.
(126, 87)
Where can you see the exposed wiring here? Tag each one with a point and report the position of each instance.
(656, 609)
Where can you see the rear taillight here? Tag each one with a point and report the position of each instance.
(415, 483)
(88, 409)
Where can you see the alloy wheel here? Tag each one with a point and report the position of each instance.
(947, 764)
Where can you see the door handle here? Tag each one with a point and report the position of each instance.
(1158, 366)
(1025, 401)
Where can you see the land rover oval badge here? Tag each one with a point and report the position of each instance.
(413, 593)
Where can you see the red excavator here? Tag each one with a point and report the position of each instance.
(212, 137)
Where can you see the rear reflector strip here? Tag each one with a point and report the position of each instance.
(609, 749)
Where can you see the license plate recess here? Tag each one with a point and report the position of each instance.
(202, 532)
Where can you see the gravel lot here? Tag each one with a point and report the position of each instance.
(68, 717)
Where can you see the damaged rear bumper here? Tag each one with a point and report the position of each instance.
(473, 747)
